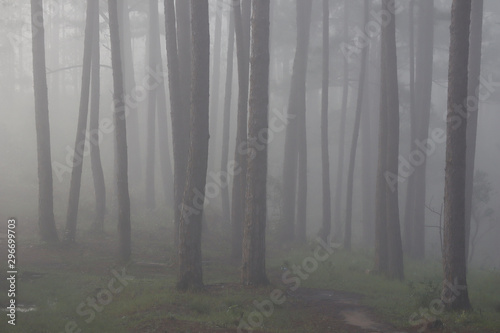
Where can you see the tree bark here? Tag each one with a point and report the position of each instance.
(95, 151)
(476, 38)
(337, 205)
(355, 136)
(226, 213)
(121, 159)
(180, 134)
(254, 247)
(454, 260)
(296, 112)
(239, 180)
(46, 221)
(325, 158)
(81, 128)
(190, 262)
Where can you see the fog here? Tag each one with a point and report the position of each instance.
(294, 150)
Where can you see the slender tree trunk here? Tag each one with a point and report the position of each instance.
(301, 231)
(454, 260)
(423, 96)
(239, 180)
(254, 247)
(325, 159)
(296, 112)
(410, 189)
(337, 205)
(46, 221)
(476, 38)
(180, 134)
(95, 152)
(133, 138)
(121, 159)
(152, 98)
(216, 68)
(81, 129)
(190, 265)
(226, 214)
(394, 244)
(355, 136)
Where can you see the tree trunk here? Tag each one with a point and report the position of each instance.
(121, 160)
(355, 136)
(325, 159)
(180, 134)
(254, 247)
(226, 214)
(81, 128)
(296, 112)
(153, 41)
(240, 171)
(454, 260)
(476, 38)
(394, 244)
(410, 189)
(95, 152)
(46, 220)
(133, 139)
(214, 95)
(337, 205)
(190, 264)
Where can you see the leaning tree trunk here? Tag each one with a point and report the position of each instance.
(226, 214)
(180, 135)
(190, 265)
(337, 216)
(95, 152)
(254, 241)
(454, 259)
(476, 38)
(81, 128)
(46, 221)
(239, 180)
(296, 112)
(325, 159)
(121, 161)
(355, 136)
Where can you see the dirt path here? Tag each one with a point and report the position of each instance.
(337, 311)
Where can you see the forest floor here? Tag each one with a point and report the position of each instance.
(56, 287)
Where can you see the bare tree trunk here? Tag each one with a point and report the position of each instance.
(226, 213)
(476, 38)
(239, 180)
(296, 112)
(216, 68)
(325, 158)
(254, 242)
(95, 152)
(337, 205)
(423, 96)
(133, 138)
(81, 129)
(152, 98)
(454, 260)
(394, 244)
(410, 189)
(180, 134)
(121, 159)
(190, 265)
(355, 136)
(46, 221)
